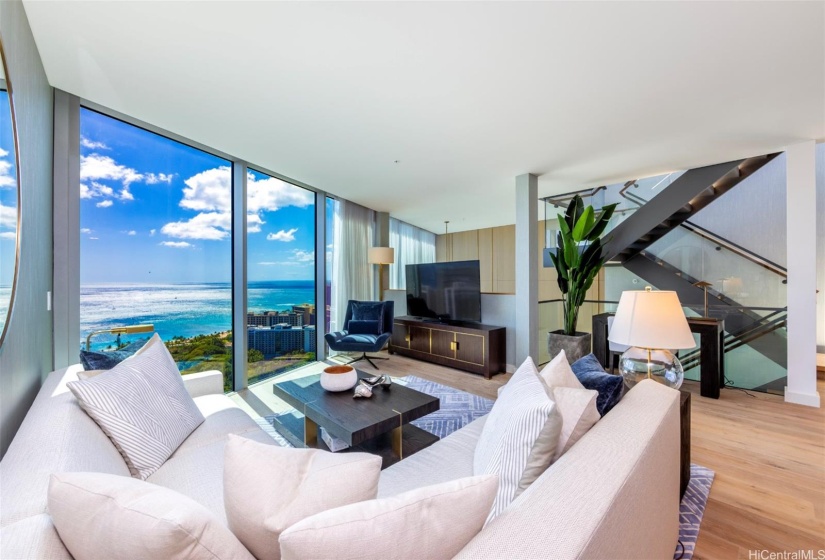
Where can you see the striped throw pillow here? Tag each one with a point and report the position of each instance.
(143, 406)
(520, 436)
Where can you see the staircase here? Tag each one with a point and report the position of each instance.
(629, 243)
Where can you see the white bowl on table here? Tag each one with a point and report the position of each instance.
(339, 378)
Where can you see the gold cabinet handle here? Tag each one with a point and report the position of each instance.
(453, 345)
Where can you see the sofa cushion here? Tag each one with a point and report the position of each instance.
(143, 406)
(221, 418)
(267, 489)
(198, 473)
(32, 537)
(117, 517)
(364, 327)
(520, 438)
(448, 459)
(431, 522)
(593, 376)
(368, 311)
(55, 436)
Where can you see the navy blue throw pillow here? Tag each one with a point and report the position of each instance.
(367, 310)
(108, 360)
(363, 327)
(591, 374)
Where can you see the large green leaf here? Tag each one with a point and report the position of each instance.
(601, 221)
(584, 224)
(574, 211)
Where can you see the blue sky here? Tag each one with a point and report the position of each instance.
(8, 194)
(153, 210)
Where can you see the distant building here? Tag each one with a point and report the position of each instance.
(276, 340)
(272, 318)
(307, 311)
(309, 339)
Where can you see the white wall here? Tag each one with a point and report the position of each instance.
(26, 354)
(820, 246)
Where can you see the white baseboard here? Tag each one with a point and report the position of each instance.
(807, 399)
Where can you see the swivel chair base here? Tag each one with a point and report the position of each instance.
(368, 358)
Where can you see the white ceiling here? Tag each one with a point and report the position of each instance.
(464, 95)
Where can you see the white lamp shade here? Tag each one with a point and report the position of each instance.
(381, 255)
(651, 319)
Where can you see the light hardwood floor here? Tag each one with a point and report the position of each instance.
(768, 456)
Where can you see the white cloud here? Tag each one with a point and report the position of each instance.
(270, 194)
(285, 236)
(8, 235)
(95, 190)
(96, 166)
(93, 238)
(155, 178)
(132, 232)
(3, 153)
(104, 204)
(8, 217)
(92, 145)
(176, 244)
(7, 178)
(85, 230)
(209, 190)
(125, 194)
(303, 256)
(208, 225)
(152, 231)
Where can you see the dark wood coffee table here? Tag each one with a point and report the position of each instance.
(379, 425)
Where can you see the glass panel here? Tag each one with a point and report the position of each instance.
(330, 247)
(8, 206)
(280, 276)
(155, 242)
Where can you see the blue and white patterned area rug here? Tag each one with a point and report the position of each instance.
(459, 408)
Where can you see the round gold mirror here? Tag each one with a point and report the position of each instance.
(9, 199)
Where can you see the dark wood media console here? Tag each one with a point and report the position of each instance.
(471, 346)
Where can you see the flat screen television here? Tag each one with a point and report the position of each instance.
(447, 292)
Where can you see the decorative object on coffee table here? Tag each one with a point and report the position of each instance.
(339, 378)
(362, 391)
(652, 323)
(578, 259)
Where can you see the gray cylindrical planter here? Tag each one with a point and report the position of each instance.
(574, 347)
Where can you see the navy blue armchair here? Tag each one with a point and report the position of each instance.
(367, 327)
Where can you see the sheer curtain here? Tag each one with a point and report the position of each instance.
(353, 232)
(412, 245)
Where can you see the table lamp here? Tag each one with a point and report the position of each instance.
(381, 256)
(653, 324)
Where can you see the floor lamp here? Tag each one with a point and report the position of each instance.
(381, 256)
(652, 323)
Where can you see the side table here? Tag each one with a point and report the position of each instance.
(684, 422)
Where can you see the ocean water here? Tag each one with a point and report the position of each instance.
(183, 310)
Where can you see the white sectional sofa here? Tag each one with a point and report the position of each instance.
(615, 494)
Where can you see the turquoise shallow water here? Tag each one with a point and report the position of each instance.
(180, 309)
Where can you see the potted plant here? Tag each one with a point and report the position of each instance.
(578, 259)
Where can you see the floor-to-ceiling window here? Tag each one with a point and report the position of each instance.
(155, 241)
(8, 206)
(281, 312)
(412, 245)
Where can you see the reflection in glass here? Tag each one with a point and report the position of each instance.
(281, 314)
(155, 242)
(9, 196)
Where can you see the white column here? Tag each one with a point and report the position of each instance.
(527, 268)
(801, 197)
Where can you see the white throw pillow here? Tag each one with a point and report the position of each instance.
(428, 523)
(576, 404)
(578, 412)
(520, 438)
(558, 373)
(268, 488)
(100, 515)
(143, 406)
